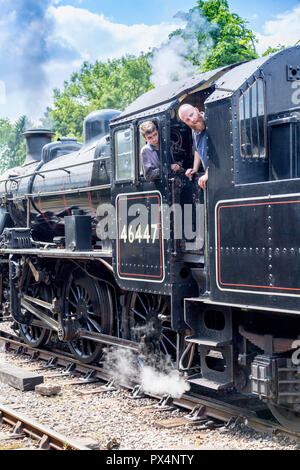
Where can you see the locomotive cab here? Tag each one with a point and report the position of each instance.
(160, 224)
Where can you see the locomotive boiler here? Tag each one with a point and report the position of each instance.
(93, 254)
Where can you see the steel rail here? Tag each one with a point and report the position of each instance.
(211, 407)
(48, 438)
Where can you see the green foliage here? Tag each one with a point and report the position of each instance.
(271, 50)
(113, 84)
(220, 36)
(222, 40)
(46, 121)
(12, 144)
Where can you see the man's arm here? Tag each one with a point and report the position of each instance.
(197, 161)
(203, 180)
(174, 165)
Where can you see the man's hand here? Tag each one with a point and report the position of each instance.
(175, 167)
(189, 173)
(202, 181)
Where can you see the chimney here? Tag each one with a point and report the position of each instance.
(35, 141)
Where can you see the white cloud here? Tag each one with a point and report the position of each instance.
(98, 38)
(78, 35)
(285, 30)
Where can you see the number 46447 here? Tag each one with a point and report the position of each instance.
(128, 234)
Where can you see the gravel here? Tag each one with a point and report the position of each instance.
(114, 420)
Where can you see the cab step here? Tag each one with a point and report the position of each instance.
(197, 379)
(207, 341)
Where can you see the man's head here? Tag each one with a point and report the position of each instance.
(149, 131)
(192, 117)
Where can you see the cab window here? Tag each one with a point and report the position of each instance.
(252, 121)
(124, 157)
(141, 143)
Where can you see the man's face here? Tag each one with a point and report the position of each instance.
(193, 118)
(152, 138)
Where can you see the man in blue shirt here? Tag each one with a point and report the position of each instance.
(196, 121)
(150, 152)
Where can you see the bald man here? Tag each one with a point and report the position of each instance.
(195, 119)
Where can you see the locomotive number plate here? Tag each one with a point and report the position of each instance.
(139, 244)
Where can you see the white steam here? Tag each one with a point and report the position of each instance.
(155, 377)
(169, 62)
(121, 364)
(163, 383)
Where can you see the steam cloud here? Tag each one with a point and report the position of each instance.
(155, 376)
(28, 44)
(169, 62)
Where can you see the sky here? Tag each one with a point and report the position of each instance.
(42, 42)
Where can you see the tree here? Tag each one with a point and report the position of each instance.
(112, 84)
(271, 50)
(12, 143)
(214, 37)
(222, 36)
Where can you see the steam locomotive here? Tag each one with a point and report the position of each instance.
(94, 254)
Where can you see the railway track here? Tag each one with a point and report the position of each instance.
(201, 408)
(47, 438)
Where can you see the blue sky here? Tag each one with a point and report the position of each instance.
(152, 12)
(155, 11)
(43, 41)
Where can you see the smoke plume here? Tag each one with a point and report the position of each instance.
(28, 44)
(156, 376)
(169, 62)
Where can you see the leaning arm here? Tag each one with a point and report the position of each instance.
(197, 162)
(203, 180)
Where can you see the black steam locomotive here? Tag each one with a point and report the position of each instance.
(93, 253)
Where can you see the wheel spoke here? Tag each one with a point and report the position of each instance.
(138, 313)
(141, 301)
(163, 309)
(74, 294)
(90, 312)
(169, 341)
(164, 347)
(90, 304)
(95, 324)
(143, 311)
(159, 302)
(167, 328)
(33, 335)
(72, 303)
(78, 292)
